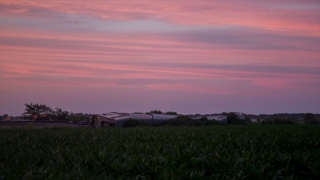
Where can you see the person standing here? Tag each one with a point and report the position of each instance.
(93, 120)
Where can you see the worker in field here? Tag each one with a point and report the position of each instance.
(93, 120)
(35, 117)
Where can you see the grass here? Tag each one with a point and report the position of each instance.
(215, 152)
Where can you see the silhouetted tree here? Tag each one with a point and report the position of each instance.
(60, 114)
(43, 112)
(247, 119)
(156, 112)
(171, 113)
(4, 117)
(234, 119)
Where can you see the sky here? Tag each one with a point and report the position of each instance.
(256, 57)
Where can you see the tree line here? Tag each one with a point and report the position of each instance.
(158, 112)
(43, 112)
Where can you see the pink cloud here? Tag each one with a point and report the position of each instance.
(265, 15)
(233, 49)
(51, 68)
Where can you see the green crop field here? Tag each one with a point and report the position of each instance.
(215, 152)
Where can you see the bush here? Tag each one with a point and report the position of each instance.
(187, 121)
(213, 122)
(30, 126)
(207, 122)
(276, 121)
(236, 121)
(282, 121)
(182, 121)
(233, 119)
(134, 123)
(312, 121)
(308, 116)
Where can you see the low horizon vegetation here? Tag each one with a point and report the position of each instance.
(187, 121)
(44, 112)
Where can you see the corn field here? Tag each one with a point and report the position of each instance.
(215, 152)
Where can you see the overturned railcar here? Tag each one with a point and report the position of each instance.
(219, 118)
(142, 117)
(119, 121)
(105, 122)
(162, 119)
(114, 119)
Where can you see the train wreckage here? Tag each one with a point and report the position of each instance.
(115, 119)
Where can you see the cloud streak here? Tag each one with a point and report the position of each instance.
(297, 15)
(174, 50)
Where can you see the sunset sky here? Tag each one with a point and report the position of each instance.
(135, 56)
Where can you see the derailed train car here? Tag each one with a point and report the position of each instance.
(147, 118)
(115, 119)
(112, 119)
(161, 119)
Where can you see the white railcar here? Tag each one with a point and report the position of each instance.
(144, 117)
(161, 119)
(114, 119)
(219, 118)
